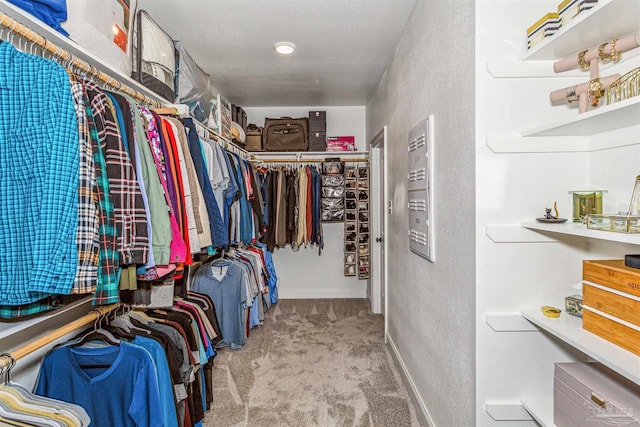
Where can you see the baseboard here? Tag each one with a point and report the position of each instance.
(422, 412)
(321, 293)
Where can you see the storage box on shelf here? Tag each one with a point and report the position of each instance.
(586, 394)
(317, 131)
(611, 302)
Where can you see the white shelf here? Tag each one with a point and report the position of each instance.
(537, 144)
(606, 118)
(581, 230)
(569, 329)
(589, 29)
(540, 408)
(75, 49)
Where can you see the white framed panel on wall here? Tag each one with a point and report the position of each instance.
(420, 190)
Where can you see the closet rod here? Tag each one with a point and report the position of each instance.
(320, 160)
(66, 57)
(226, 144)
(8, 359)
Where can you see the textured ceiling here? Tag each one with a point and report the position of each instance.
(343, 46)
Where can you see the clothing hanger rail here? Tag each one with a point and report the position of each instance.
(300, 160)
(65, 57)
(7, 360)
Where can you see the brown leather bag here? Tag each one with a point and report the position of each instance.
(254, 138)
(286, 134)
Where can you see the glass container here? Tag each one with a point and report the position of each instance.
(586, 202)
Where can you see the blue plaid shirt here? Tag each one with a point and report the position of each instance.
(39, 158)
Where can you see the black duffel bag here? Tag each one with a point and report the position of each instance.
(286, 134)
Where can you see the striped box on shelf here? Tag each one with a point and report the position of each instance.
(569, 9)
(545, 27)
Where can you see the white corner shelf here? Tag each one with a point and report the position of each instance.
(606, 118)
(589, 29)
(514, 234)
(576, 229)
(538, 144)
(540, 408)
(569, 329)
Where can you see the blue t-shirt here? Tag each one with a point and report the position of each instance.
(228, 295)
(167, 402)
(125, 394)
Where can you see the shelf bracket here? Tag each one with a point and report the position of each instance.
(507, 411)
(509, 322)
(515, 234)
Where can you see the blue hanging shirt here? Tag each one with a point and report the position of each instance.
(39, 161)
(125, 394)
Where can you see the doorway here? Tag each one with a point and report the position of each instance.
(378, 283)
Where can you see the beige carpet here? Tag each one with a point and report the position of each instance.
(312, 363)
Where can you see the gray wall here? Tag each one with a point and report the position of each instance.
(432, 306)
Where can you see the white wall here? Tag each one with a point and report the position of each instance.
(430, 305)
(511, 187)
(304, 274)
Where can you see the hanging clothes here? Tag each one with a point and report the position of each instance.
(292, 206)
(81, 375)
(38, 178)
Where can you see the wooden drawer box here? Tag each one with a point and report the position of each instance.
(611, 302)
(612, 274)
(590, 394)
(619, 304)
(611, 330)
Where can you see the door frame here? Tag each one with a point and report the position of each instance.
(379, 285)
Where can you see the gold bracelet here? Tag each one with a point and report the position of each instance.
(614, 55)
(595, 91)
(583, 64)
(603, 56)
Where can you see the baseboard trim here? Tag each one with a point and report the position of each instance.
(321, 293)
(423, 414)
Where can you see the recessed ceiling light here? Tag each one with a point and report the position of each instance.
(284, 48)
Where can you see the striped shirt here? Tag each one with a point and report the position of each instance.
(87, 236)
(133, 240)
(107, 291)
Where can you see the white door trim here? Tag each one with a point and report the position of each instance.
(379, 146)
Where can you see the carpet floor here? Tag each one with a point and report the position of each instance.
(313, 363)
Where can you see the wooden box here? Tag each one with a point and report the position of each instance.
(611, 302)
(611, 330)
(612, 274)
(590, 394)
